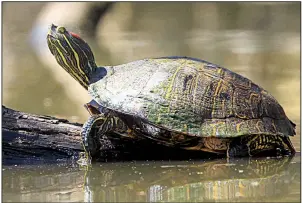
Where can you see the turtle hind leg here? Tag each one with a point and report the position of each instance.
(260, 145)
(238, 149)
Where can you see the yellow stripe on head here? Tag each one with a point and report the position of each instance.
(76, 56)
(72, 73)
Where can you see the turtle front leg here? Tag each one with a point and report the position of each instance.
(260, 145)
(96, 126)
(90, 134)
(89, 139)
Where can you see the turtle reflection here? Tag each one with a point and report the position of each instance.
(253, 179)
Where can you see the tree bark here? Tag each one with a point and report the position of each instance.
(30, 136)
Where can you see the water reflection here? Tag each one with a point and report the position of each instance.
(254, 179)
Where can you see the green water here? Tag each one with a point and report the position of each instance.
(249, 180)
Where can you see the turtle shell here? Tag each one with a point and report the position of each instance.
(191, 96)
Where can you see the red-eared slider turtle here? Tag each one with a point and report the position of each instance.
(176, 101)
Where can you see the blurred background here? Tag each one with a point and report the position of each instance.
(259, 40)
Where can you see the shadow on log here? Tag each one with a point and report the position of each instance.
(28, 138)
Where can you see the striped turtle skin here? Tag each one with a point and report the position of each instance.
(177, 101)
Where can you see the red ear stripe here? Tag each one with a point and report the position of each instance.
(75, 35)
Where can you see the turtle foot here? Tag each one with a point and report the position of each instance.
(84, 159)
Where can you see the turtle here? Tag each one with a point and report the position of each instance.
(177, 101)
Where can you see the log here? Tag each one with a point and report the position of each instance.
(28, 138)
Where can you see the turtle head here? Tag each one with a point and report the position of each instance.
(72, 53)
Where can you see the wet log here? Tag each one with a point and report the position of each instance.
(28, 137)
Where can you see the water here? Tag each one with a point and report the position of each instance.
(248, 180)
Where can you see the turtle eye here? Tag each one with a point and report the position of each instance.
(61, 30)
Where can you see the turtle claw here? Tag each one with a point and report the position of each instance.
(84, 159)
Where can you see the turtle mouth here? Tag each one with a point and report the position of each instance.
(52, 33)
(52, 28)
(51, 37)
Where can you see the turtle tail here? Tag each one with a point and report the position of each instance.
(293, 124)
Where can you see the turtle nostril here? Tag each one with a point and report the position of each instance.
(52, 26)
